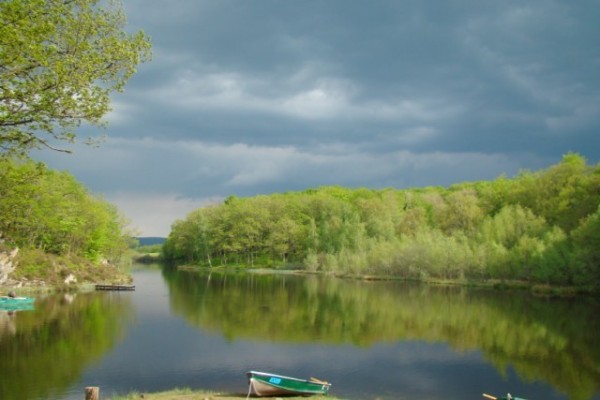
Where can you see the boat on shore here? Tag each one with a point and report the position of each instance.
(9, 303)
(267, 384)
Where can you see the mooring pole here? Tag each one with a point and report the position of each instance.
(92, 393)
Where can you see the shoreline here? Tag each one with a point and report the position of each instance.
(536, 289)
(188, 394)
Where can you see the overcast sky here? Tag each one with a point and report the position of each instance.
(247, 97)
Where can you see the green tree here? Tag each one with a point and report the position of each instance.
(285, 232)
(563, 194)
(509, 225)
(586, 240)
(462, 212)
(379, 215)
(50, 211)
(59, 62)
(282, 238)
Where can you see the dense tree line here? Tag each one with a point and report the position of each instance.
(539, 227)
(51, 211)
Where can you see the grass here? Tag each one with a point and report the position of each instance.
(188, 394)
(36, 268)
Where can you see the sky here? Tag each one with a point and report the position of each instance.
(249, 97)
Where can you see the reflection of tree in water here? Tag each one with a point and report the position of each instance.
(7, 324)
(552, 340)
(53, 344)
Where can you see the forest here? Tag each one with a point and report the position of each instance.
(60, 61)
(56, 223)
(538, 227)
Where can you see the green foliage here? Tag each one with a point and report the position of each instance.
(149, 249)
(59, 62)
(538, 227)
(50, 211)
(586, 254)
(35, 265)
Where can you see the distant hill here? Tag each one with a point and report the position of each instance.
(148, 241)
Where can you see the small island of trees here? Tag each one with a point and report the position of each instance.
(539, 228)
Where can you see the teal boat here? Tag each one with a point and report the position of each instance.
(8, 303)
(267, 384)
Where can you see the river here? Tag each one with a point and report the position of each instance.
(372, 340)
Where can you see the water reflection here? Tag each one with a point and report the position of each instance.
(549, 340)
(203, 330)
(53, 344)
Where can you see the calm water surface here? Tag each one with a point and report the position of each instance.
(372, 340)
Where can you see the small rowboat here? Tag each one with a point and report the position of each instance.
(507, 397)
(8, 303)
(267, 384)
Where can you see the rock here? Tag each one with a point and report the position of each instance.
(70, 279)
(7, 264)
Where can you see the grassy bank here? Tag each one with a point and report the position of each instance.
(188, 394)
(495, 284)
(40, 271)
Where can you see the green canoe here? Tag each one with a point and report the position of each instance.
(16, 303)
(267, 384)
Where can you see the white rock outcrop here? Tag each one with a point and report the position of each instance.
(7, 264)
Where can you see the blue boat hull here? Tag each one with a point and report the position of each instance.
(16, 303)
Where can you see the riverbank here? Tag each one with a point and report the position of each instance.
(116, 275)
(188, 394)
(33, 270)
(543, 290)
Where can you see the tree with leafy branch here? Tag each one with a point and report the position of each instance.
(59, 62)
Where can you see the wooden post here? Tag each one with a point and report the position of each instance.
(92, 393)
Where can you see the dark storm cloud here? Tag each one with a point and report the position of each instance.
(481, 74)
(248, 97)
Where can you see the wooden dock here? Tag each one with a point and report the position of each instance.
(114, 287)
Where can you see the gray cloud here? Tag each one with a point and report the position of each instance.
(257, 97)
